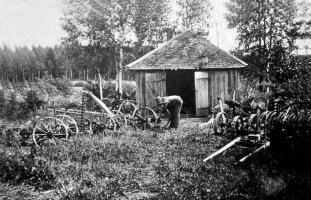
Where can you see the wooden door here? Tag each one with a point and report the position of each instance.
(202, 84)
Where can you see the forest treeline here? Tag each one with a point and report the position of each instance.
(23, 63)
(30, 64)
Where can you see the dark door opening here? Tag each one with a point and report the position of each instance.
(181, 83)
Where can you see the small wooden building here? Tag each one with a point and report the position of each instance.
(191, 67)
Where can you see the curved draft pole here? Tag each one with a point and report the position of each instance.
(100, 103)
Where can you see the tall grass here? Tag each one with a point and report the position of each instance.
(149, 165)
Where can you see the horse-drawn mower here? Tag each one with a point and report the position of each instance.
(76, 118)
(57, 124)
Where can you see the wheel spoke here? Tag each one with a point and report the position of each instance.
(52, 141)
(45, 126)
(41, 130)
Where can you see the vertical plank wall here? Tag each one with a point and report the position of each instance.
(211, 84)
(223, 84)
(149, 85)
(140, 78)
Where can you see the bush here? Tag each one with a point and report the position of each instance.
(60, 101)
(32, 104)
(2, 104)
(12, 108)
(80, 83)
(109, 91)
(62, 85)
(32, 101)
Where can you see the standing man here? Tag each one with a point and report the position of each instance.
(173, 104)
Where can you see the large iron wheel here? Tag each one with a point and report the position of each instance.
(220, 124)
(71, 124)
(238, 123)
(121, 118)
(163, 116)
(103, 123)
(144, 118)
(49, 130)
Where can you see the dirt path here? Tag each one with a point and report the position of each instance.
(188, 122)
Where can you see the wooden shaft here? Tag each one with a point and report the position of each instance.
(267, 144)
(100, 86)
(222, 111)
(230, 144)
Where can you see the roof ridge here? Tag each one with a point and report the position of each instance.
(157, 49)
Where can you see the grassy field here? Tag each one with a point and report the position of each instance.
(145, 165)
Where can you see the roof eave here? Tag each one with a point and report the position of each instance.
(185, 68)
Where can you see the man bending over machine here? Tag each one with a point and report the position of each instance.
(173, 104)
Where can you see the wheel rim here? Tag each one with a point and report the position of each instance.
(220, 125)
(164, 119)
(163, 116)
(120, 118)
(145, 117)
(49, 129)
(71, 124)
(103, 123)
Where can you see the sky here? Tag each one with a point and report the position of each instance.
(30, 22)
(38, 22)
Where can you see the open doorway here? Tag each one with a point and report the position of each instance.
(181, 83)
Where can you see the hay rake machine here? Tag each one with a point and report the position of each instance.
(67, 123)
(263, 128)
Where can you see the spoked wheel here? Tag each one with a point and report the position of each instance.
(144, 118)
(220, 125)
(49, 129)
(111, 122)
(121, 119)
(96, 124)
(128, 108)
(237, 124)
(164, 119)
(252, 122)
(105, 123)
(163, 116)
(71, 124)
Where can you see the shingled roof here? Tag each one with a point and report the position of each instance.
(186, 51)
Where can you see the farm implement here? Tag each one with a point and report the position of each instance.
(281, 128)
(67, 123)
